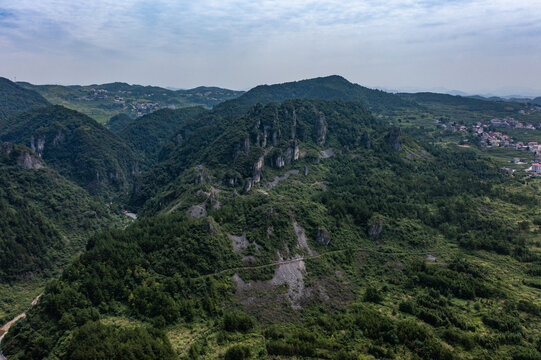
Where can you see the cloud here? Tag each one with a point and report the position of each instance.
(271, 38)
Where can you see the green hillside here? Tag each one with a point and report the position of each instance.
(76, 146)
(305, 230)
(147, 135)
(118, 122)
(15, 99)
(44, 222)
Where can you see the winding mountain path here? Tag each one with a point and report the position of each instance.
(5, 328)
(303, 258)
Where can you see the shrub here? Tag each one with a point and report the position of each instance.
(237, 321)
(237, 352)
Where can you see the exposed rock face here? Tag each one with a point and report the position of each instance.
(395, 135)
(25, 158)
(323, 237)
(292, 153)
(325, 154)
(37, 145)
(265, 136)
(248, 185)
(279, 161)
(197, 211)
(29, 161)
(375, 228)
(321, 129)
(202, 175)
(246, 147)
(258, 168)
(275, 137)
(302, 239)
(242, 147)
(277, 179)
(294, 126)
(365, 140)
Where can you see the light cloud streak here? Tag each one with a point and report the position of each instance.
(469, 45)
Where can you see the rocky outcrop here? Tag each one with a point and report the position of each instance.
(321, 129)
(278, 161)
(305, 170)
(29, 161)
(276, 131)
(257, 169)
(202, 176)
(375, 227)
(323, 237)
(294, 125)
(394, 137)
(37, 145)
(292, 153)
(248, 185)
(24, 157)
(197, 211)
(242, 147)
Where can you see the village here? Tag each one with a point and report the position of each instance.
(491, 138)
(137, 108)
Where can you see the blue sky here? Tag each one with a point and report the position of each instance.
(474, 46)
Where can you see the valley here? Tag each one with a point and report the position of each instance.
(315, 219)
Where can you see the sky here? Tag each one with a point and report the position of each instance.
(477, 46)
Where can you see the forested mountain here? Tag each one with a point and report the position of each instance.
(305, 229)
(237, 150)
(324, 88)
(45, 219)
(15, 99)
(147, 135)
(102, 102)
(292, 223)
(76, 146)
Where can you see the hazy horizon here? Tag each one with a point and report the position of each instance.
(476, 47)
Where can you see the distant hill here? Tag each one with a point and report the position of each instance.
(14, 98)
(103, 101)
(323, 88)
(76, 146)
(523, 100)
(460, 102)
(537, 100)
(146, 135)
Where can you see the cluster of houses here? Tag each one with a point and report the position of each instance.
(138, 108)
(96, 94)
(509, 122)
(491, 138)
(142, 108)
(531, 110)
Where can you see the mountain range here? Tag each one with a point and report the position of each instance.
(317, 219)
